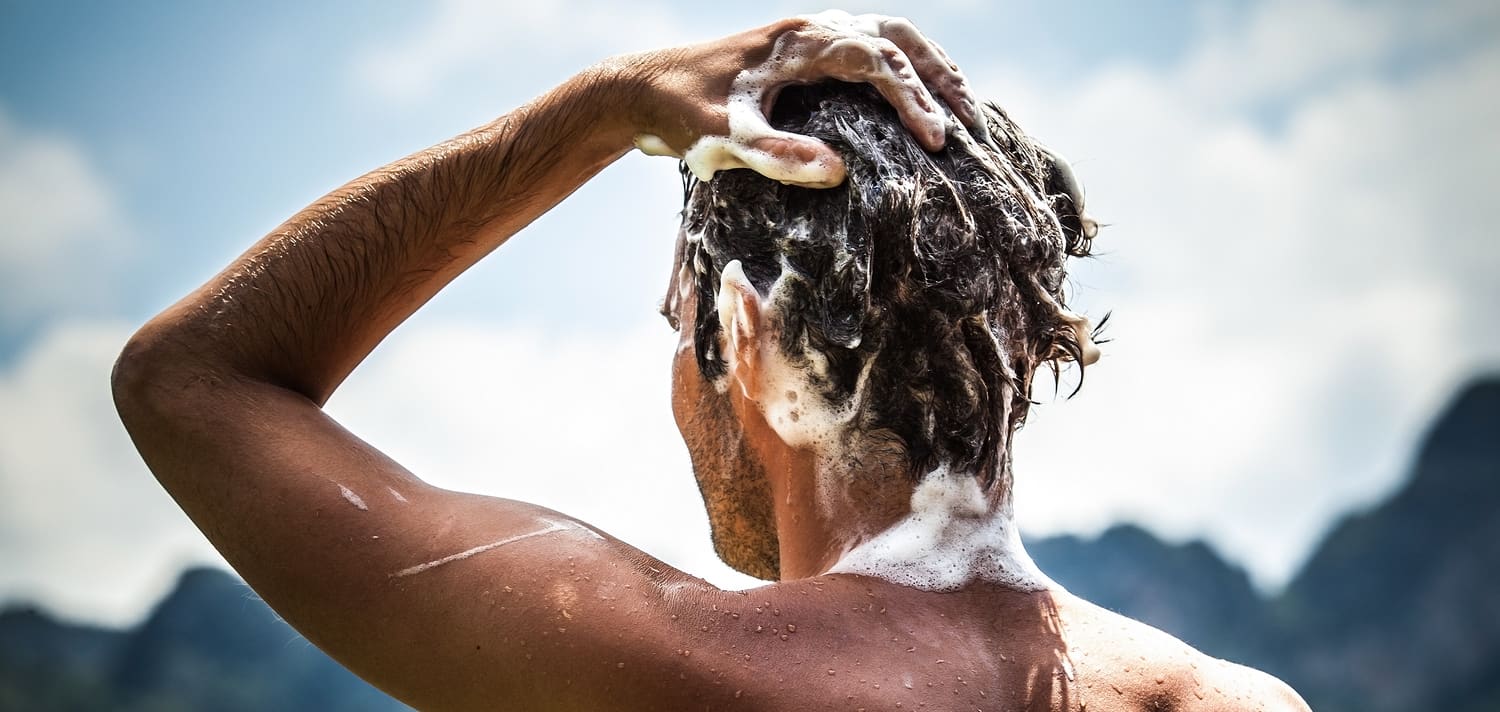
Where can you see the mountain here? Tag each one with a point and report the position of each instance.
(1185, 589)
(1397, 610)
(1403, 601)
(44, 660)
(211, 644)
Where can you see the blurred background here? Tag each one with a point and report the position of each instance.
(1289, 456)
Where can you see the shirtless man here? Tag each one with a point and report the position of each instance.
(848, 409)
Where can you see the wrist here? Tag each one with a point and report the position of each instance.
(622, 91)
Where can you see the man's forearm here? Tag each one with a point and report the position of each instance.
(303, 306)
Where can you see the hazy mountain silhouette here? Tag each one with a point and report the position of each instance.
(1403, 601)
(211, 644)
(1398, 609)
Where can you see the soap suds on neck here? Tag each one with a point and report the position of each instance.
(950, 538)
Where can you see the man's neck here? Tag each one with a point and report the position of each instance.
(936, 534)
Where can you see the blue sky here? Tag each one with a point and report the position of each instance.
(1300, 262)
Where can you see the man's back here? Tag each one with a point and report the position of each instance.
(854, 642)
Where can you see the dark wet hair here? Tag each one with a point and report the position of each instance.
(944, 271)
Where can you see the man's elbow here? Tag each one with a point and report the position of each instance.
(149, 375)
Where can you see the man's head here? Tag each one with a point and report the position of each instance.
(909, 307)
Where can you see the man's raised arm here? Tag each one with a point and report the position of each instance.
(442, 598)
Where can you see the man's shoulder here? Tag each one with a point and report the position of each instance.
(1159, 668)
(1252, 689)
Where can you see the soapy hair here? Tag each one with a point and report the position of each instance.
(924, 292)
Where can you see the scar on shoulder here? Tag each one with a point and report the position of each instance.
(552, 526)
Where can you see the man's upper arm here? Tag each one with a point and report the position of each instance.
(444, 599)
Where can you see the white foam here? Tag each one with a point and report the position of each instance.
(353, 498)
(746, 106)
(787, 396)
(951, 537)
(653, 145)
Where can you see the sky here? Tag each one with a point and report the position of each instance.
(1298, 260)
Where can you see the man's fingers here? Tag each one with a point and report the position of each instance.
(779, 155)
(890, 54)
(792, 159)
(881, 63)
(934, 68)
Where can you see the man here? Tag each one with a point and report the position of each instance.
(857, 349)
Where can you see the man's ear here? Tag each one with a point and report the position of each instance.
(739, 322)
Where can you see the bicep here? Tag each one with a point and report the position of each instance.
(435, 596)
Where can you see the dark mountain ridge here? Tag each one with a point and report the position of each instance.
(1397, 609)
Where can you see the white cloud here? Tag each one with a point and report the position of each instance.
(1290, 305)
(84, 527)
(579, 423)
(61, 230)
(509, 41)
(1276, 49)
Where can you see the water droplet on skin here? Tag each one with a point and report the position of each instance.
(620, 665)
(791, 627)
(830, 671)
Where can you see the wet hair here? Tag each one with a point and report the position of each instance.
(925, 291)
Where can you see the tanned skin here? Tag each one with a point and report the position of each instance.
(450, 600)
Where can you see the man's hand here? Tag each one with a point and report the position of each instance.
(708, 103)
